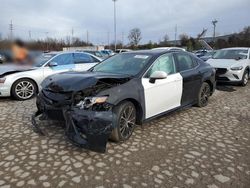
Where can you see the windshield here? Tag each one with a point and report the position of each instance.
(39, 61)
(130, 64)
(231, 54)
(98, 54)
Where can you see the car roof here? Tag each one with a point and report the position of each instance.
(64, 52)
(169, 48)
(153, 52)
(236, 48)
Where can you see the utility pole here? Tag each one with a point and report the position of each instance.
(214, 22)
(108, 40)
(11, 30)
(46, 33)
(122, 39)
(30, 35)
(72, 35)
(87, 35)
(115, 21)
(175, 35)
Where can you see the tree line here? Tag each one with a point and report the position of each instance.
(135, 36)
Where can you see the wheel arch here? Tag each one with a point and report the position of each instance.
(248, 69)
(210, 85)
(138, 107)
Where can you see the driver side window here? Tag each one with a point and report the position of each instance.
(164, 63)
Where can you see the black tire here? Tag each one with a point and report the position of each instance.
(204, 94)
(125, 121)
(25, 94)
(245, 78)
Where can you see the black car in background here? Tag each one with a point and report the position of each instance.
(200, 53)
(208, 55)
(124, 90)
(5, 56)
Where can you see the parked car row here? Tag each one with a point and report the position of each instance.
(100, 100)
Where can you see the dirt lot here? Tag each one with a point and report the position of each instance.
(197, 147)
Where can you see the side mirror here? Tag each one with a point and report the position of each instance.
(52, 64)
(157, 75)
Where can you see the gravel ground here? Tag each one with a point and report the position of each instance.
(196, 147)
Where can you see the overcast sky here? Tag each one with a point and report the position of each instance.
(155, 18)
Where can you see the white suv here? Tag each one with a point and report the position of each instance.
(232, 65)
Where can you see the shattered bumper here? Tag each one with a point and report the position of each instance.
(85, 128)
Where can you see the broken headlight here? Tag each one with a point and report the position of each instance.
(2, 80)
(91, 101)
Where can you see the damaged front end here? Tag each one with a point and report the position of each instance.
(88, 124)
(88, 120)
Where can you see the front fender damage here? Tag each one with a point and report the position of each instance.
(84, 128)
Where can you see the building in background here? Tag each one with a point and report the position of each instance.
(82, 48)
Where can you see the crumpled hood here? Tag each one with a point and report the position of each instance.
(222, 63)
(11, 68)
(77, 81)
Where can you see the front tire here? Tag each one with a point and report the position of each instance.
(204, 94)
(23, 89)
(245, 78)
(125, 121)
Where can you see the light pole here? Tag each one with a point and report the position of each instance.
(47, 41)
(115, 21)
(214, 22)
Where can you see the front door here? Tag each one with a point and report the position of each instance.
(164, 94)
(64, 63)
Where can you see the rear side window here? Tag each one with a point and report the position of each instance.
(82, 58)
(184, 62)
(63, 59)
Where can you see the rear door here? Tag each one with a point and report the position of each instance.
(84, 61)
(187, 67)
(164, 94)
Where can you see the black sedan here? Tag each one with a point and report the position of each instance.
(127, 89)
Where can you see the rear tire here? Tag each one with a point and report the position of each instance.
(204, 94)
(24, 89)
(245, 78)
(125, 121)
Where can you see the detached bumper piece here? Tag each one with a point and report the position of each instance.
(86, 129)
(89, 129)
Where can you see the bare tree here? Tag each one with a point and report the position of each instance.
(184, 39)
(134, 36)
(165, 38)
(164, 41)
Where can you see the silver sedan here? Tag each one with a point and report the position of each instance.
(22, 82)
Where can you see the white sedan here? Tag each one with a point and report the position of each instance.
(22, 82)
(232, 65)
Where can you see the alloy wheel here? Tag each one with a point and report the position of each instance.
(205, 93)
(127, 121)
(245, 79)
(24, 90)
